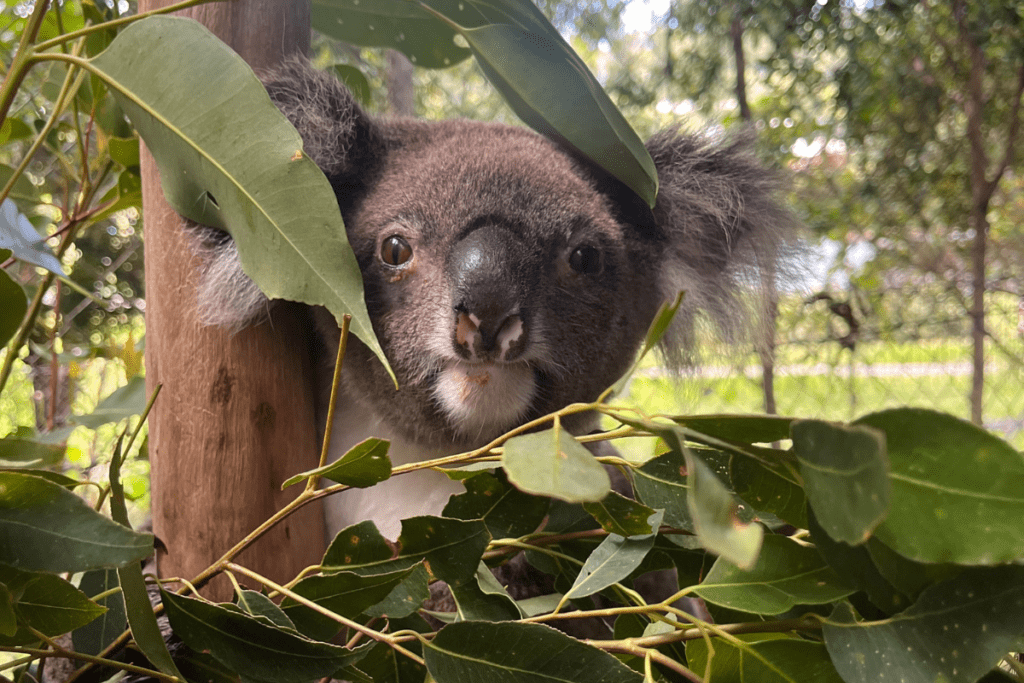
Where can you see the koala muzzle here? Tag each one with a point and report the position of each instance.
(487, 272)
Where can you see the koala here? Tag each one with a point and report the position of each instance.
(505, 276)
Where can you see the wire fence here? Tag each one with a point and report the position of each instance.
(844, 355)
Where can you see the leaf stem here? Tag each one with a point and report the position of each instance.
(355, 626)
(20, 64)
(59, 651)
(313, 481)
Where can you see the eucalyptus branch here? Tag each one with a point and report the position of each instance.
(312, 482)
(117, 23)
(58, 651)
(628, 647)
(19, 65)
(355, 626)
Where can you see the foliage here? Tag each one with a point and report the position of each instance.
(810, 549)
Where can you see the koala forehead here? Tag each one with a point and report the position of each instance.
(448, 176)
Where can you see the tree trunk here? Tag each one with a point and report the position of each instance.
(235, 416)
(401, 95)
(766, 343)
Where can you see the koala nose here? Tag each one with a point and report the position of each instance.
(487, 271)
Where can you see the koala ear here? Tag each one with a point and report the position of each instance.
(725, 228)
(336, 133)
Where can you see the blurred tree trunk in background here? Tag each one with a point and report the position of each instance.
(401, 94)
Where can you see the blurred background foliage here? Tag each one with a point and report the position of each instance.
(899, 121)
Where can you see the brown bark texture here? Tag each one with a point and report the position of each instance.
(235, 416)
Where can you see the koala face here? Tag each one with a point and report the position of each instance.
(504, 277)
(500, 283)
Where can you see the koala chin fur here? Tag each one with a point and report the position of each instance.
(505, 278)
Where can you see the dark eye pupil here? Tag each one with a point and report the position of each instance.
(395, 251)
(585, 260)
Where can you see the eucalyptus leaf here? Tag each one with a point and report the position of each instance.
(766, 487)
(251, 647)
(259, 605)
(513, 652)
(95, 636)
(45, 527)
(785, 575)
(15, 451)
(46, 603)
(364, 465)
(178, 83)
(845, 473)
(955, 493)
(451, 547)
(552, 463)
(662, 484)
(405, 598)
(482, 598)
(13, 306)
(716, 521)
(955, 632)
(613, 560)
(344, 593)
(746, 429)
(18, 235)
(507, 511)
(398, 24)
(765, 659)
(620, 515)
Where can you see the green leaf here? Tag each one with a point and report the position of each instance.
(955, 632)
(955, 493)
(765, 659)
(141, 618)
(47, 603)
(785, 575)
(765, 485)
(18, 235)
(19, 452)
(13, 306)
(613, 560)
(507, 511)
(482, 598)
(344, 593)
(662, 484)
(8, 619)
(406, 598)
(123, 403)
(511, 651)
(259, 605)
(845, 475)
(552, 463)
(567, 104)
(384, 665)
(125, 151)
(250, 646)
(746, 429)
(451, 547)
(365, 464)
(620, 515)
(716, 521)
(94, 637)
(856, 567)
(397, 24)
(45, 527)
(178, 84)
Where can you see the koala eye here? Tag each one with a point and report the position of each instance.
(395, 251)
(585, 260)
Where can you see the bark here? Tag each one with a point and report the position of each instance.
(236, 416)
